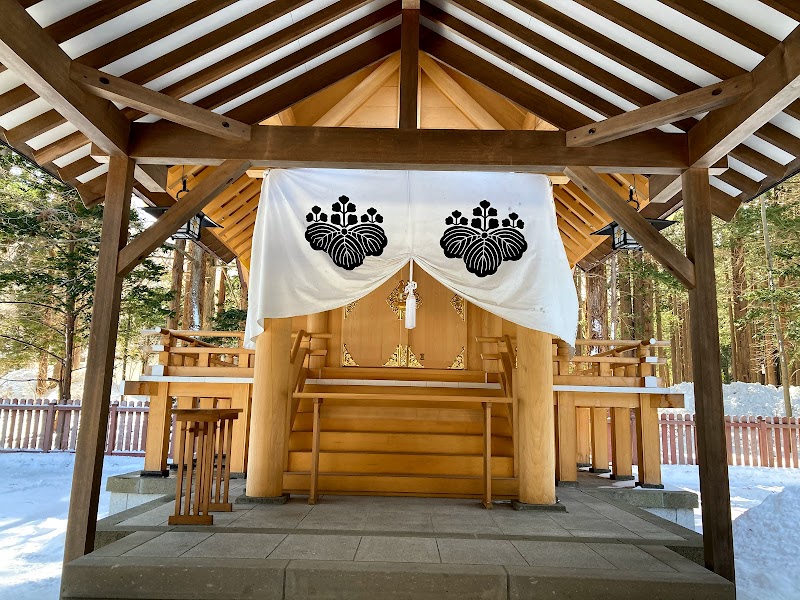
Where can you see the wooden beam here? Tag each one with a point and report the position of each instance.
(27, 50)
(87, 475)
(340, 111)
(776, 84)
(409, 68)
(458, 95)
(531, 151)
(627, 216)
(663, 188)
(707, 370)
(88, 18)
(152, 177)
(136, 96)
(178, 214)
(661, 113)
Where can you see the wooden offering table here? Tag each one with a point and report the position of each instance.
(205, 433)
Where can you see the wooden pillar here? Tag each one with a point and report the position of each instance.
(159, 421)
(409, 65)
(648, 444)
(599, 440)
(239, 436)
(85, 494)
(583, 416)
(269, 414)
(709, 408)
(318, 323)
(621, 452)
(537, 454)
(567, 440)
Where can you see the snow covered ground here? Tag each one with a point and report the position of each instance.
(765, 504)
(34, 498)
(746, 399)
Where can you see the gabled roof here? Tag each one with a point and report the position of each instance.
(525, 64)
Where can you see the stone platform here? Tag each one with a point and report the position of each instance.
(389, 547)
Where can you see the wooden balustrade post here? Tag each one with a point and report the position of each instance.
(537, 453)
(621, 455)
(111, 439)
(158, 433)
(317, 323)
(648, 444)
(599, 441)
(583, 417)
(85, 494)
(269, 412)
(239, 437)
(567, 440)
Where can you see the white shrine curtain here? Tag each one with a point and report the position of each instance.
(326, 237)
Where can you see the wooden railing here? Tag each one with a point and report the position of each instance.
(42, 425)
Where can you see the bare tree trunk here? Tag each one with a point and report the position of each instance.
(597, 304)
(613, 285)
(221, 289)
(578, 277)
(242, 284)
(740, 334)
(176, 285)
(625, 299)
(209, 281)
(687, 341)
(196, 289)
(41, 375)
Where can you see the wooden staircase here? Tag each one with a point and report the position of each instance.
(395, 431)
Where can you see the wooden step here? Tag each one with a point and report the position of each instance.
(394, 485)
(402, 374)
(332, 421)
(401, 464)
(403, 443)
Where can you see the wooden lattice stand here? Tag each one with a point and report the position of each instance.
(205, 435)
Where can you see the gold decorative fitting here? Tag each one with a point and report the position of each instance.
(397, 299)
(349, 308)
(347, 358)
(458, 303)
(458, 363)
(403, 357)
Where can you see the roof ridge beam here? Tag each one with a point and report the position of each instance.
(36, 58)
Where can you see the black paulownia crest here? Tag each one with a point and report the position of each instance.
(346, 240)
(483, 242)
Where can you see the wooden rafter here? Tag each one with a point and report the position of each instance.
(36, 58)
(409, 66)
(479, 116)
(318, 78)
(661, 113)
(130, 94)
(776, 84)
(339, 113)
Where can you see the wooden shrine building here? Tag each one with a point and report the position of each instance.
(690, 104)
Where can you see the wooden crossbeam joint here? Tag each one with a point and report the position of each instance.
(630, 219)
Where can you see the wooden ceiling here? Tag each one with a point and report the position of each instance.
(554, 64)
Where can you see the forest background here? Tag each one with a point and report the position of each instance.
(49, 243)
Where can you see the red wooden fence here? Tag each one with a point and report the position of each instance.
(752, 441)
(44, 425)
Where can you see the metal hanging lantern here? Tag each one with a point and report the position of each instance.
(192, 229)
(620, 238)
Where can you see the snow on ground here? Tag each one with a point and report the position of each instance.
(34, 498)
(765, 505)
(746, 399)
(766, 541)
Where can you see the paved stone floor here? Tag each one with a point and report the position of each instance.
(594, 542)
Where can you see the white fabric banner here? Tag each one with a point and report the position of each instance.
(326, 237)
